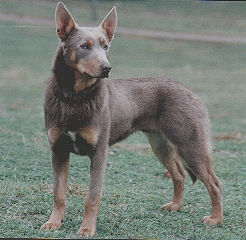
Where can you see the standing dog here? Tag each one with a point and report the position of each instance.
(84, 114)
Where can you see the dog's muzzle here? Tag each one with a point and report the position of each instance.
(104, 73)
(105, 70)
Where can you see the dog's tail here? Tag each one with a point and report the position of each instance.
(192, 175)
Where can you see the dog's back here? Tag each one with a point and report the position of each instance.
(150, 103)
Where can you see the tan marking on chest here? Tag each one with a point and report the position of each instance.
(53, 134)
(90, 134)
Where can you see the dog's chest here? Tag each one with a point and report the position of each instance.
(82, 141)
(74, 140)
(71, 118)
(78, 144)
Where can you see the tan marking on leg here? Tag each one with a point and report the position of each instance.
(60, 185)
(88, 226)
(97, 171)
(53, 134)
(56, 217)
(178, 174)
(214, 188)
(168, 156)
(90, 134)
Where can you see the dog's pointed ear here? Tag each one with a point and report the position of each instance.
(109, 23)
(64, 21)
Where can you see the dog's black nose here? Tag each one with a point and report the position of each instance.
(105, 69)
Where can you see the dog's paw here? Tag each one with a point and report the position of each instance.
(87, 232)
(51, 225)
(172, 207)
(212, 220)
(167, 174)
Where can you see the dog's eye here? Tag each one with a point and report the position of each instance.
(84, 46)
(105, 47)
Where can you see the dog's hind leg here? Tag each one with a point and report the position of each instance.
(60, 164)
(167, 155)
(197, 159)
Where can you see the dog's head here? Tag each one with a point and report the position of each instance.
(86, 48)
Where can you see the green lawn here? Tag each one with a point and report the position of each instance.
(134, 188)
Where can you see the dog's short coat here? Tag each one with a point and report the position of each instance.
(84, 114)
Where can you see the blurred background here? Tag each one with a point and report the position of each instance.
(199, 43)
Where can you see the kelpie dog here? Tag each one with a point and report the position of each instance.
(85, 113)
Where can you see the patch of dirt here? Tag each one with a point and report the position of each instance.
(72, 188)
(142, 33)
(230, 136)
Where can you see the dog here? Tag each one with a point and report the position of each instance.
(85, 113)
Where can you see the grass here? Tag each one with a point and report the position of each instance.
(134, 188)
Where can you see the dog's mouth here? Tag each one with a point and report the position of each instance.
(103, 75)
(86, 75)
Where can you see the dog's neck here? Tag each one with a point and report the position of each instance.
(81, 83)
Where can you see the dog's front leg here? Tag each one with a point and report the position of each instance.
(97, 171)
(60, 164)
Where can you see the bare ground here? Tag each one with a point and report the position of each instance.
(32, 21)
